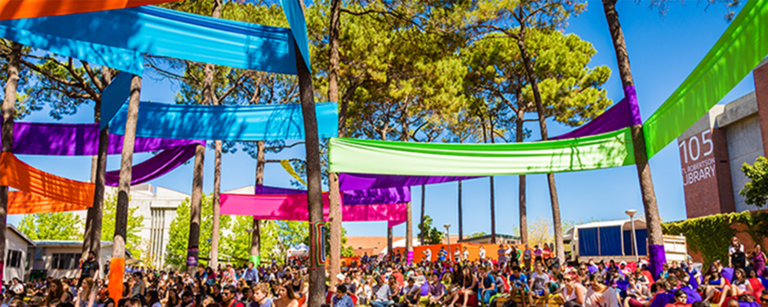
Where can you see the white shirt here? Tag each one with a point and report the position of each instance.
(466, 255)
(605, 299)
(482, 253)
(428, 254)
(732, 250)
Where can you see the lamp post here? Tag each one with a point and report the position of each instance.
(448, 236)
(631, 213)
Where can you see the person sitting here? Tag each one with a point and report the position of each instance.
(600, 295)
(381, 294)
(518, 284)
(436, 292)
(341, 299)
(487, 286)
(740, 284)
(411, 294)
(680, 299)
(539, 283)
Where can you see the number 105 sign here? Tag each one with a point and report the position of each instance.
(697, 159)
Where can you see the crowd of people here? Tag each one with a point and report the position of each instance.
(515, 276)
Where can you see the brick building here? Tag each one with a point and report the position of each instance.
(713, 150)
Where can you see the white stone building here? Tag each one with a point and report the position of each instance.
(157, 205)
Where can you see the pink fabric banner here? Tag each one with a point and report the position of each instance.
(294, 208)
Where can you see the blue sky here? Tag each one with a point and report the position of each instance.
(663, 51)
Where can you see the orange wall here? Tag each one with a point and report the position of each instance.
(491, 250)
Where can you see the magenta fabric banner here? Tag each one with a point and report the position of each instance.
(55, 139)
(355, 197)
(353, 181)
(623, 114)
(294, 208)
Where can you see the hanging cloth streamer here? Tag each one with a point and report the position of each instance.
(120, 38)
(358, 197)
(16, 9)
(56, 139)
(403, 158)
(738, 51)
(294, 208)
(154, 167)
(286, 164)
(42, 185)
(26, 203)
(623, 114)
(354, 181)
(227, 123)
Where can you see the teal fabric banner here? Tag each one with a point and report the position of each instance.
(114, 96)
(295, 15)
(738, 51)
(226, 123)
(119, 38)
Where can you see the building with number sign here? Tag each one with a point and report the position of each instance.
(713, 150)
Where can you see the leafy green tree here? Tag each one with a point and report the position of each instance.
(178, 233)
(135, 223)
(51, 226)
(431, 234)
(477, 234)
(756, 190)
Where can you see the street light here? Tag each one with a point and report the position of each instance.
(448, 236)
(631, 213)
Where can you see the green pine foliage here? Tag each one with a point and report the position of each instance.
(134, 244)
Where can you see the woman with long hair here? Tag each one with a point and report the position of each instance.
(468, 285)
(740, 283)
(154, 299)
(55, 291)
(286, 298)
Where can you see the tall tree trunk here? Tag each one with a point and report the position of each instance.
(423, 208)
(521, 183)
(461, 216)
(652, 219)
(92, 238)
(9, 107)
(528, 64)
(126, 167)
(261, 161)
(493, 212)
(209, 96)
(390, 239)
(334, 214)
(215, 233)
(314, 181)
(195, 209)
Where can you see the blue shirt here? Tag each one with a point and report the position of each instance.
(521, 281)
(251, 275)
(344, 301)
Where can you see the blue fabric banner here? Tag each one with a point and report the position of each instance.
(588, 242)
(119, 38)
(114, 96)
(610, 241)
(226, 123)
(295, 15)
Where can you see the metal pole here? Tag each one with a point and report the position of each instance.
(634, 239)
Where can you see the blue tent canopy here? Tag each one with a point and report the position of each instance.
(612, 238)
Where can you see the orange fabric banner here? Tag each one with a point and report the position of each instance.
(16, 9)
(25, 203)
(42, 189)
(116, 274)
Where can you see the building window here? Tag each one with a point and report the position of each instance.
(65, 261)
(14, 259)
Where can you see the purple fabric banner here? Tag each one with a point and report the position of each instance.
(353, 181)
(657, 257)
(154, 167)
(352, 197)
(55, 139)
(623, 114)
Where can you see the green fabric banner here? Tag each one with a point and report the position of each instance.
(444, 159)
(738, 51)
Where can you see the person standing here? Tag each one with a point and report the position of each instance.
(465, 254)
(481, 254)
(89, 268)
(758, 262)
(736, 257)
(428, 255)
